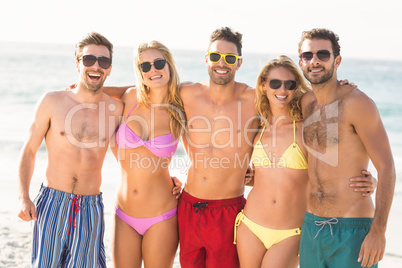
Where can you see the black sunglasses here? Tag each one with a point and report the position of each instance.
(146, 66)
(322, 55)
(289, 84)
(89, 60)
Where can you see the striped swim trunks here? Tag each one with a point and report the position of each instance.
(69, 230)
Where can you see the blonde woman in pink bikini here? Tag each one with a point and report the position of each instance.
(145, 225)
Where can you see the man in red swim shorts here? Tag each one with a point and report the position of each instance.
(221, 121)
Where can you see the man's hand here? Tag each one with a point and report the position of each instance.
(365, 184)
(176, 187)
(249, 177)
(28, 210)
(372, 249)
(71, 87)
(346, 82)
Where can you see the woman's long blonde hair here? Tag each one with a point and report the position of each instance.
(175, 107)
(262, 103)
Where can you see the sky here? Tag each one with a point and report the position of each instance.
(367, 29)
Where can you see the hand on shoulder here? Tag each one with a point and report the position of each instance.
(130, 94)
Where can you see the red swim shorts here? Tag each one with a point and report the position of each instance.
(206, 230)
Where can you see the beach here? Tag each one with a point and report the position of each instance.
(31, 70)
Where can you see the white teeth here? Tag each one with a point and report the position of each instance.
(281, 97)
(315, 71)
(221, 72)
(155, 77)
(96, 75)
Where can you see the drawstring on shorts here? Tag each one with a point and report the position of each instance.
(76, 206)
(326, 222)
(199, 205)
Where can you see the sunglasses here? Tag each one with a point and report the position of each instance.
(229, 58)
(322, 55)
(89, 60)
(146, 66)
(289, 84)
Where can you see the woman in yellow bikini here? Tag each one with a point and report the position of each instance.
(268, 230)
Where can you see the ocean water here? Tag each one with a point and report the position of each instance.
(29, 70)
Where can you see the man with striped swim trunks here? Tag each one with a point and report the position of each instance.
(67, 214)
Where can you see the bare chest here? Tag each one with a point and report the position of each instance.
(86, 126)
(231, 125)
(323, 126)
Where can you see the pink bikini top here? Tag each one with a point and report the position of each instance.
(161, 146)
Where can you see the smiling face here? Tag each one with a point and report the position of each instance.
(315, 70)
(279, 97)
(221, 73)
(154, 77)
(93, 77)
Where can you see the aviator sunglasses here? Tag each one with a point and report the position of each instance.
(89, 60)
(289, 84)
(146, 66)
(322, 55)
(229, 58)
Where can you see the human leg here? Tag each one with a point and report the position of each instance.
(86, 244)
(311, 253)
(126, 245)
(284, 254)
(161, 240)
(249, 248)
(216, 222)
(192, 253)
(332, 242)
(348, 236)
(69, 229)
(48, 215)
(266, 239)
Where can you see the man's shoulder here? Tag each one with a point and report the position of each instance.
(308, 97)
(113, 104)
(54, 96)
(191, 89)
(354, 96)
(356, 103)
(245, 90)
(190, 86)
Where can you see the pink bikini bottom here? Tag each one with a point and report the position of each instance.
(141, 225)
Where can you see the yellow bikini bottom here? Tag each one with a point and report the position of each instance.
(268, 237)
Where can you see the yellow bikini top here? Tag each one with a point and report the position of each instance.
(292, 158)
